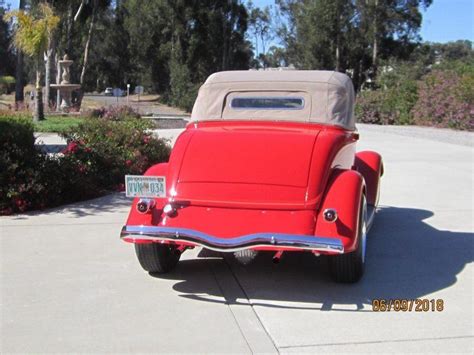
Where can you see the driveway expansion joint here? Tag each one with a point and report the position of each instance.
(376, 342)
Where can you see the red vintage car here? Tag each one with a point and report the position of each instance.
(267, 164)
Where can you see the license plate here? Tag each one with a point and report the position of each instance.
(145, 186)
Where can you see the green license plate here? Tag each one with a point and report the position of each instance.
(145, 186)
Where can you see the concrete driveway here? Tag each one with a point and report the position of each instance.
(68, 284)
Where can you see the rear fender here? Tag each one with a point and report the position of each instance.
(153, 217)
(370, 165)
(343, 194)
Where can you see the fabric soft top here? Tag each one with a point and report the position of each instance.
(328, 96)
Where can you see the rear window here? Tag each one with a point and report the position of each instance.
(268, 103)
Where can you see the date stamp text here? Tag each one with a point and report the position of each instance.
(408, 305)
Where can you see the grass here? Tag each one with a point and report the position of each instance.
(57, 124)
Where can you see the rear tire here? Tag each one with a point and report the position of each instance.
(349, 268)
(157, 258)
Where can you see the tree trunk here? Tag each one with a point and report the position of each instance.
(356, 76)
(47, 76)
(224, 40)
(256, 45)
(58, 81)
(87, 47)
(39, 113)
(69, 29)
(337, 35)
(337, 52)
(19, 95)
(86, 53)
(375, 39)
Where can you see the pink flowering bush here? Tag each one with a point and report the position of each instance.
(444, 101)
(115, 113)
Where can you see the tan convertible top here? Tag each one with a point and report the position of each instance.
(327, 97)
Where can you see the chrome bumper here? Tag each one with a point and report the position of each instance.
(274, 240)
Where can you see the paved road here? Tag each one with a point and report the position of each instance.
(144, 107)
(69, 285)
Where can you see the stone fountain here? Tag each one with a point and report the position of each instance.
(65, 87)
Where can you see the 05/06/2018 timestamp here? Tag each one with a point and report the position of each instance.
(408, 305)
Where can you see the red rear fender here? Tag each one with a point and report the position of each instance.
(344, 194)
(370, 165)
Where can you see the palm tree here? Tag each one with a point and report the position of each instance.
(31, 36)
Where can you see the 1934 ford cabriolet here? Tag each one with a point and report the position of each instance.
(267, 163)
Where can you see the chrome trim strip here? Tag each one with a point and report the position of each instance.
(276, 240)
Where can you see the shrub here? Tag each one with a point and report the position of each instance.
(445, 100)
(387, 106)
(108, 148)
(369, 108)
(395, 97)
(100, 152)
(22, 182)
(115, 113)
(442, 98)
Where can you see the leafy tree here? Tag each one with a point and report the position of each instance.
(452, 51)
(32, 36)
(276, 57)
(6, 60)
(207, 36)
(384, 22)
(19, 81)
(319, 34)
(349, 35)
(260, 25)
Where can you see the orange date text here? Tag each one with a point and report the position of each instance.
(408, 305)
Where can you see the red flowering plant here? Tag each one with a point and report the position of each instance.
(116, 144)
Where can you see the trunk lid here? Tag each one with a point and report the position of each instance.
(246, 166)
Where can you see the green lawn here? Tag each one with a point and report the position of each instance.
(57, 124)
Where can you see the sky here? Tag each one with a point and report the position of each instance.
(443, 21)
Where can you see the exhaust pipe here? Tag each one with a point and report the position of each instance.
(245, 256)
(277, 257)
(145, 205)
